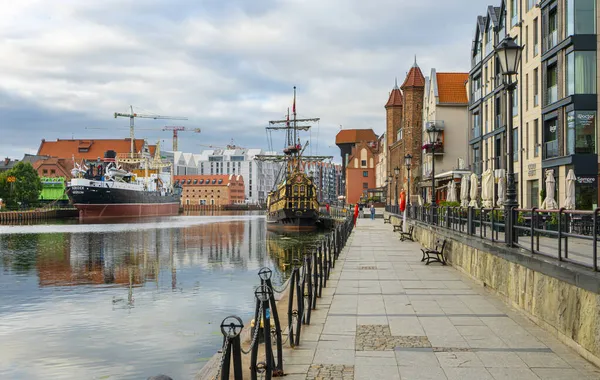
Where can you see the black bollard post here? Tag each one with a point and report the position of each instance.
(291, 307)
(325, 276)
(300, 307)
(309, 284)
(265, 275)
(231, 327)
(263, 295)
(320, 259)
(315, 279)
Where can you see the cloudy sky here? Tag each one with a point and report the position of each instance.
(227, 65)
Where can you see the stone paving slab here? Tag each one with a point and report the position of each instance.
(385, 315)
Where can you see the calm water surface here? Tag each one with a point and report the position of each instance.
(132, 299)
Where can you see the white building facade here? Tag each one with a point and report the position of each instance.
(259, 177)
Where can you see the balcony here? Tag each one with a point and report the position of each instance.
(552, 95)
(551, 149)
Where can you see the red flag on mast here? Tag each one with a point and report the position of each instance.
(294, 105)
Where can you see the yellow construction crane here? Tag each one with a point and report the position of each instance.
(132, 115)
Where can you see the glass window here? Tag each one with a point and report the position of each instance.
(531, 4)
(581, 72)
(550, 139)
(535, 37)
(365, 173)
(581, 132)
(552, 82)
(365, 185)
(515, 105)
(581, 17)
(514, 12)
(536, 141)
(586, 195)
(534, 193)
(552, 38)
(516, 144)
(477, 159)
(535, 87)
(502, 30)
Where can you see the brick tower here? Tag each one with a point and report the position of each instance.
(393, 110)
(412, 124)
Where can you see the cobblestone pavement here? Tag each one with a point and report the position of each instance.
(385, 315)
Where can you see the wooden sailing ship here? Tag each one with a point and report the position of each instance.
(293, 204)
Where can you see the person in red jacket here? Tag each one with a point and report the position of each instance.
(355, 213)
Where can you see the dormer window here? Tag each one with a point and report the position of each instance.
(489, 46)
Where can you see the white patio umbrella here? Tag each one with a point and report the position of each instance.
(464, 191)
(570, 191)
(549, 203)
(474, 190)
(487, 188)
(451, 192)
(501, 187)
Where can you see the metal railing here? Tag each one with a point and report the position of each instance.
(566, 235)
(309, 276)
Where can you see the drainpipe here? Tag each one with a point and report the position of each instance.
(521, 126)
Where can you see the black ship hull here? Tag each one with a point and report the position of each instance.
(110, 202)
(289, 220)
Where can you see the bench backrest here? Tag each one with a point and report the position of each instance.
(440, 244)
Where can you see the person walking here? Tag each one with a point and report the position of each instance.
(361, 212)
(372, 212)
(355, 213)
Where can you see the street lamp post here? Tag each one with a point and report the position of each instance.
(389, 182)
(408, 162)
(433, 133)
(509, 56)
(396, 172)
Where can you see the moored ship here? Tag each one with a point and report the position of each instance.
(293, 204)
(106, 190)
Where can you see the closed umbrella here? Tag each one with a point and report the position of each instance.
(464, 191)
(487, 188)
(501, 187)
(549, 203)
(452, 191)
(570, 191)
(474, 190)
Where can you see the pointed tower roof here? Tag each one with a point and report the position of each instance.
(414, 78)
(395, 97)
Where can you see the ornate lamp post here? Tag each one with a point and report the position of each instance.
(408, 162)
(389, 182)
(396, 172)
(433, 134)
(509, 56)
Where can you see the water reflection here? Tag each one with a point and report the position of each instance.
(128, 300)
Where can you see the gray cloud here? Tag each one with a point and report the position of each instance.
(227, 65)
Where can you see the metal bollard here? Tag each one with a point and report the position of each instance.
(309, 286)
(231, 327)
(315, 277)
(263, 294)
(265, 275)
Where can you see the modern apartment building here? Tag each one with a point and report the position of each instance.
(522, 20)
(328, 180)
(259, 177)
(569, 95)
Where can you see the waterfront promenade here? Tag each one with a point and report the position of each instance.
(386, 315)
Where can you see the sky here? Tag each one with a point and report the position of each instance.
(229, 66)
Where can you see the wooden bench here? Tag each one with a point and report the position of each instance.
(436, 254)
(387, 220)
(407, 235)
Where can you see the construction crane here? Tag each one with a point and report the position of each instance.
(176, 130)
(132, 115)
(229, 146)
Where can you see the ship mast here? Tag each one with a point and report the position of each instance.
(293, 151)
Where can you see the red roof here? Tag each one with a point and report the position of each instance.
(451, 88)
(414, 78)
(223, 177)
(89, 149)
(395, 98)
(352, 136)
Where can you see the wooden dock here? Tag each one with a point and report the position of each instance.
(23, 217)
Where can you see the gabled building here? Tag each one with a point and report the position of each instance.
(347, 140)
(360, 171)
(445, 106)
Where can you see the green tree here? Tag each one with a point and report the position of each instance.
(26, 188)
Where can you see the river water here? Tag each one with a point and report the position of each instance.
(132, 299)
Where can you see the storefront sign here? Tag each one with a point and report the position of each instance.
(586, 180)
(531, 169)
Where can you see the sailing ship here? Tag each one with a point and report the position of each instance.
(104, 189)
(293, 205)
